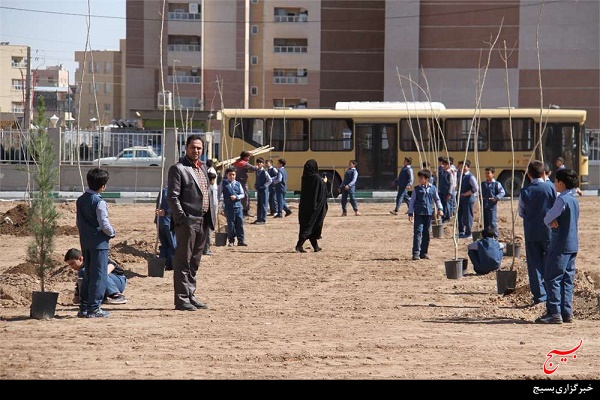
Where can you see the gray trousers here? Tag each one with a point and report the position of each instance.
(188, 253)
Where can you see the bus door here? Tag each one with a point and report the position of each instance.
(561, 140)
(377, 155)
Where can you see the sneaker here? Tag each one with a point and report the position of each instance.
(258, 222)
(81, 314)
(344, 214)
(549, 319)
(394, 212)
(208, 253)
(242, 244)
(230, 244)
(416, 257)
(277, 216)
(567, 318)
(118, 299)
(98, 313)
(425, 256)
(465, 236)
(288, 213)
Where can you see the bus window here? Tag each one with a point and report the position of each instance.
(249, 130)
(522, 134)
(456, 132)
(331, 134)
(289, 133)
(422, 130)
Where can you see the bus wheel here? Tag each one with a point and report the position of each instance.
(512, 188)
(333, 183)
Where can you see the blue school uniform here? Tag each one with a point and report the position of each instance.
(485, 255)
(559, 274)
(422, 201)
(491, 192)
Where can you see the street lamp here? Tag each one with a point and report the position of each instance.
(53, 121)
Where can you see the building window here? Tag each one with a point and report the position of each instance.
(106, 108)
(254, 60)
(17, 84)
(91, 109)
(254, 29)
(254, 91)
(91, 87)
(107, 68)
(17, 108)
(254, 1)
(107, 88)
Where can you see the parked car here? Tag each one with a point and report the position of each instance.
(139, 156)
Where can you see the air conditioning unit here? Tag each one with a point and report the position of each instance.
(300, 72)
(165, 100)
(193, 8)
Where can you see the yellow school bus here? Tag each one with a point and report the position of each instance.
(379, 140)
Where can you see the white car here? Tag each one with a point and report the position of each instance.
(139, 156)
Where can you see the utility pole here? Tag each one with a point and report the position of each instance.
(27, 115)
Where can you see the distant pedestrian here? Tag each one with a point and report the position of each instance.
(312, 207)
(280, 184)
(348, 189)
(242, 168)
(468, 188)
(403, 183)
(272, 171)
(261, 185)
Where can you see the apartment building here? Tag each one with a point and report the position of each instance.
(312, 53)
(100, 86)
(13, 77)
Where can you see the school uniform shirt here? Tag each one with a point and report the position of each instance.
(422, 200)
(491, 190)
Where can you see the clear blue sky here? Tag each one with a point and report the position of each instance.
(55, 29)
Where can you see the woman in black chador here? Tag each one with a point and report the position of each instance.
(312, 207)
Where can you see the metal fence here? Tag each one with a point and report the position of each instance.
(86, 145)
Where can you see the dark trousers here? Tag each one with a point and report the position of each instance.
(93, 286)
(465, 215)
(235, 224)
(188, 253)
(490, 218)
(167, 246)
(560, 282)
(272, 200)
(422, 224)
(536, 255)
(262, 204)
(281, 204)
(401, 197)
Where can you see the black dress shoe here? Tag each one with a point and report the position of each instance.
(186, 307)
(198, 304)
(300, 249)
(242, 244)
(318, 249)
(288, 213)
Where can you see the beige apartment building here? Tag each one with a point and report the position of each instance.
(13, 77)
(100, 83)
(311, 53)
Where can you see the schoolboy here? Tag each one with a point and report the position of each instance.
(559, 273)
(486, 253)
(403, 183)
(280, 184)
(115, 284)
(233, 193)
(420, 208)
(466, 202)
(95, 232)
(261, 185)
(491, 192)
(348, 188)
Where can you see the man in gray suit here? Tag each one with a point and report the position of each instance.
(192, 217)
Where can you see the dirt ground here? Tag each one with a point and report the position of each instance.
(359, 310)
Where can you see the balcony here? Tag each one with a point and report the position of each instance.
(182, 16)
(291, 18)
(185, 79)
(290, 49)
(184, 47)
(290, 80)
